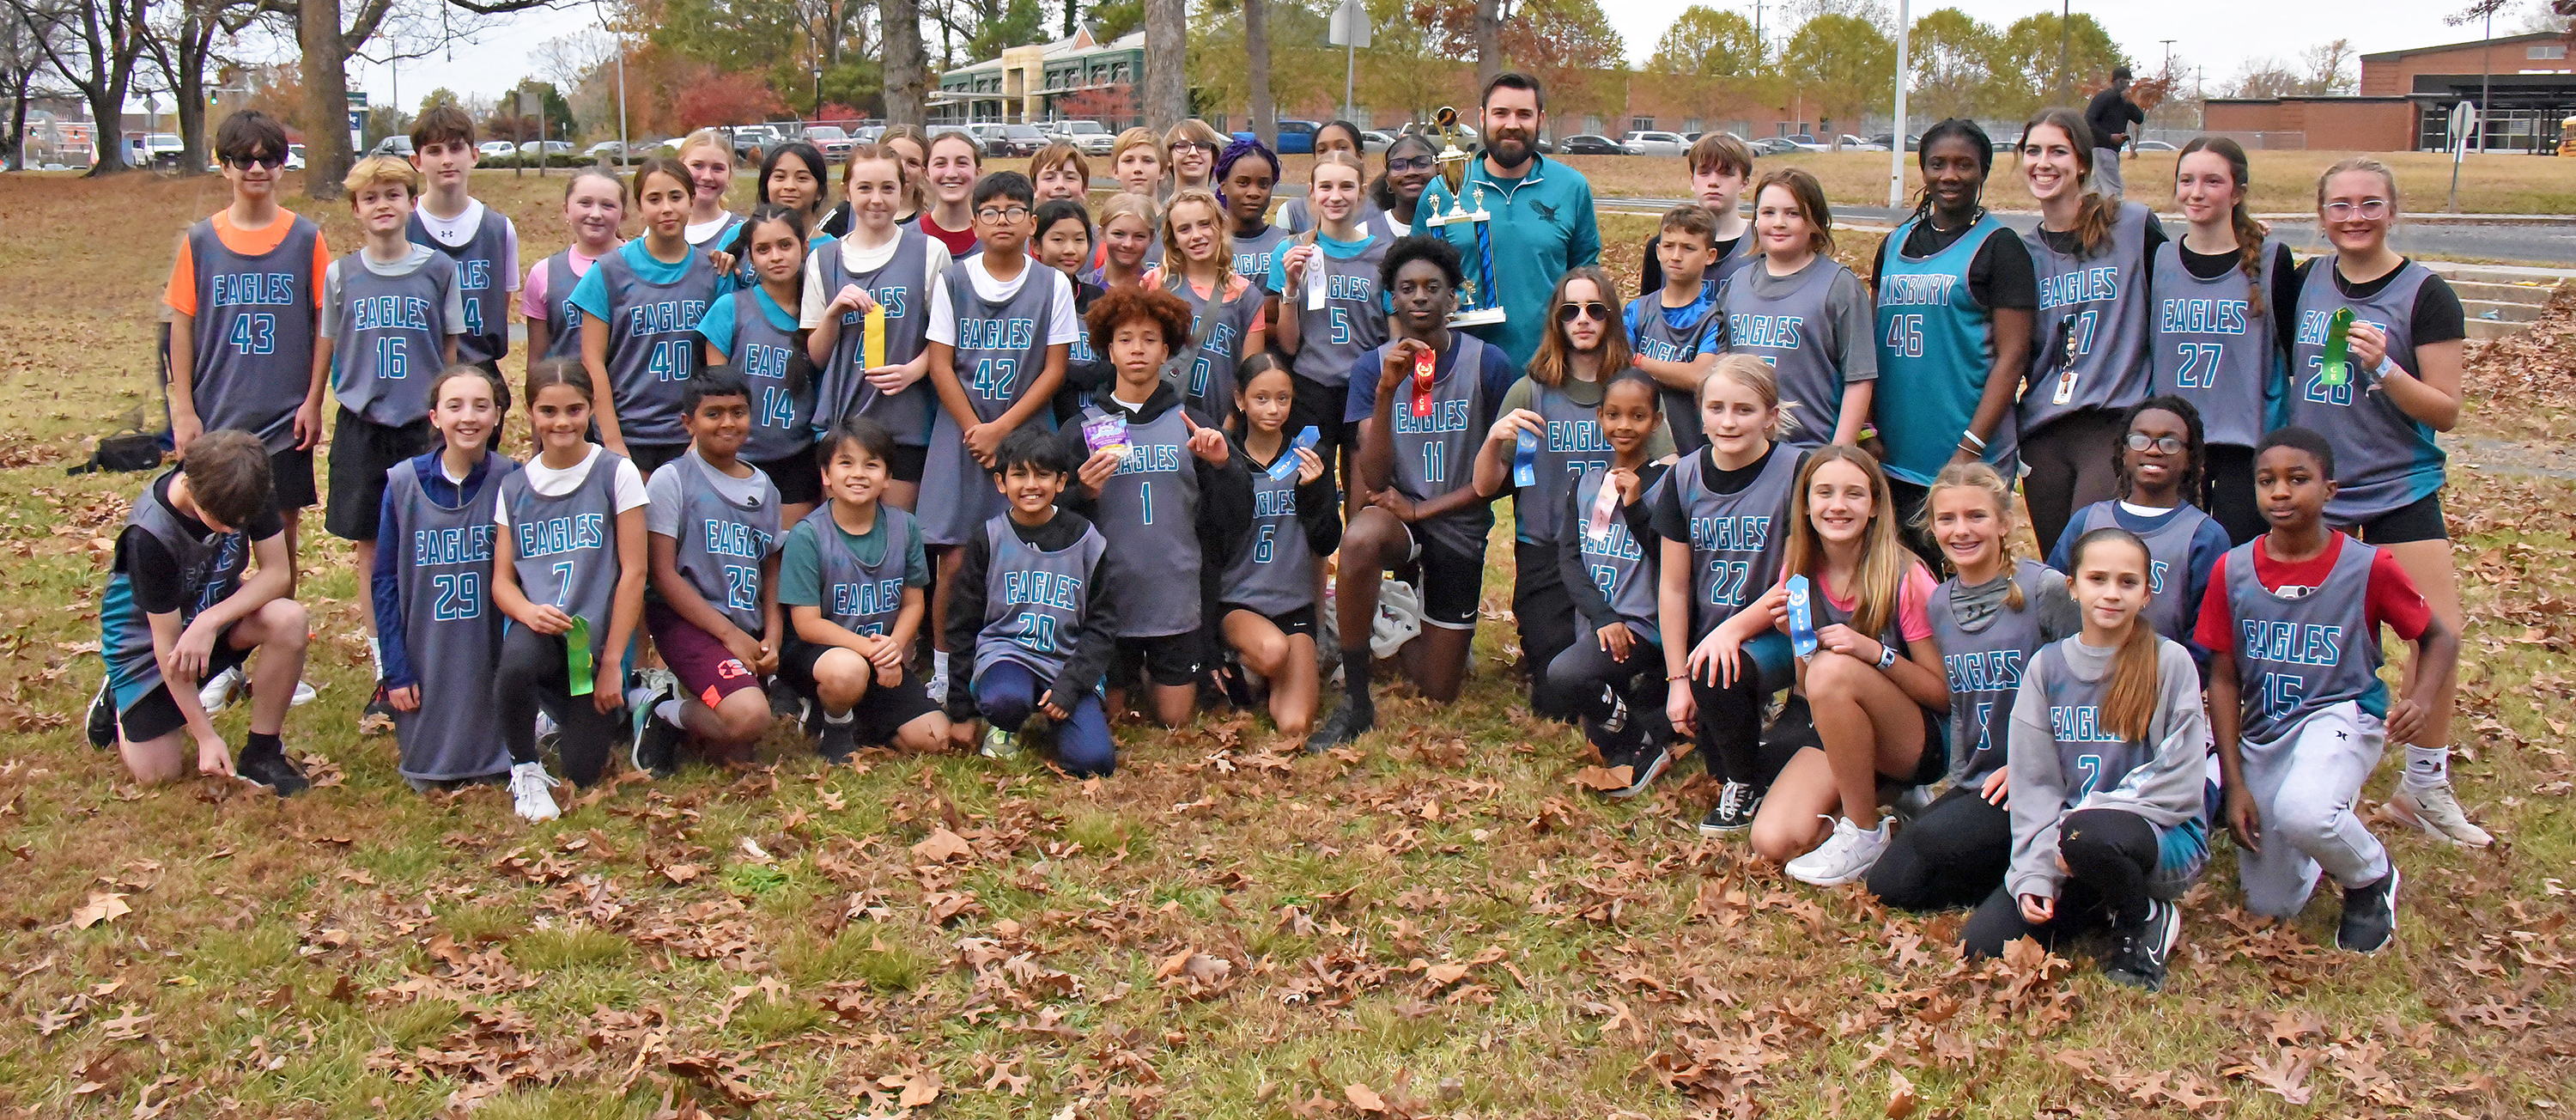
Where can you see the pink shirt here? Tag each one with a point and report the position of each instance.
(1913, 598)
(532, 295)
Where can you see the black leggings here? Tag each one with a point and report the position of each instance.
(1544, 612)
(1953, 855)
(533, 674)
(2231, 492)
(2109, 853)
(2070, 468)
(1730, 726)
(1582, 679)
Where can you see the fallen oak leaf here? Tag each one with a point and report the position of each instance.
(103, 906)
(2285, 1075)
(1602, 780)
(1364, 1098)
(1900, 1096)
(942, 846)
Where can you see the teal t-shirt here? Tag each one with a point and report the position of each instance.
(1338, 250)
(800, 570)
(716, 326)
(591, 294)
(1542, 225)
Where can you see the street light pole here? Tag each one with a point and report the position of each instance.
(1896, 137)
(2065, 18)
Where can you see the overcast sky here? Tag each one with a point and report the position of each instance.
(2219, 36)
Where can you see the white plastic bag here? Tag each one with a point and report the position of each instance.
(1399, 617)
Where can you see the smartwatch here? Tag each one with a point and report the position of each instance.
(1886, 656)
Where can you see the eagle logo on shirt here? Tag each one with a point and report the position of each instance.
(1544, 210)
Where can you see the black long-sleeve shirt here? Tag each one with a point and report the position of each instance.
(1589, 604)
(1225, 492)
(1091, 652)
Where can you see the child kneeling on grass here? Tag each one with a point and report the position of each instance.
(2292, 627)
(2108, 765)
(1031, 610)
(854, 582)
(183, 603)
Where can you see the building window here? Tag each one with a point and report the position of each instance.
(1692, 124)
(1641, 123)
(1592, 123)
(2546, 50)
(1118, 71)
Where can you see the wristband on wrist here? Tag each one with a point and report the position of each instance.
(1886, 656)
(2386, 366)
(1970, 440)
(1671, 677)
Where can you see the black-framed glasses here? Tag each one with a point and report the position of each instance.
(1412, 163)
(1593, 309)
(2168, 445)
(1002, 213)
(1201, 145)
(269, 160)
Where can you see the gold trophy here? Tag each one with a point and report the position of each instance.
(1477, 303)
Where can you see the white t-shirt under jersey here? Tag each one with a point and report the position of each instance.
(553, 483)
(1063, 326)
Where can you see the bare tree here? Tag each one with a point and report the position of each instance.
(328, 40)
(183, 48)
(22, 58)
(906, 78)
(94, 45)
(1167, 51)
(2329, 67)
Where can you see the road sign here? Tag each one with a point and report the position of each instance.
(2464, 120)
(1350, 25)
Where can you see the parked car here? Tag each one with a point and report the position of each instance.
(1851, 143)
(295, 157)
(161, 150)
(1806, 143)
(1651, 143)
(2155, 146)
(829, 139)
(1091, 138)
(552, 148)
(1377, 141)
(1007, 139)
(1296, 138)
(751, 141)
(493, 148)
(968, 131)
(1775, 146)
(392, 146)
(1883, 140)
(1587, 144)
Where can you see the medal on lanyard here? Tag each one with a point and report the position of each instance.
(1802, 621)
(2066, 370)
(1525, 458)
(2336, 370)
(1605, 508)
(577, 656)
(876, 337)
(1285, 467)
(1425, 366)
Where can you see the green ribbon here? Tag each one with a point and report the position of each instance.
(577, 655)
(2337, 368)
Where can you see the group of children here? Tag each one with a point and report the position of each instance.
(1084, 463)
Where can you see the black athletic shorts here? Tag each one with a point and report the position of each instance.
(649, 457)
(881, 711)
(2419, 520)
(908, 463)
(1299, 621)
(797, 475)
(1322, 406)
(1452, 582)
(290, 477)
(361, 452)
(154, 714)
(1171, 661)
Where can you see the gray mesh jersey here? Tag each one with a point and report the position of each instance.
(1737, 540)
(1788, 328)
(1658, 340)
(1001, 347)
(563, 326)
(449, 626)
(2212, 350)
(2090, 754)
(1149, 511)
(2098, 305)
(862, 598)
(391, 340)
(566, 545)
(721, 544)
(1331, 338)
(767, 357)
(254, 332)
(2173, 613)
(1573, 451)
(897, 286)
(481, 280)
(2300, 654)
(1985, 668)
(1208, 376)
(1276, 573)
(1252, 254)
(1035, 601)
(2384, 459)
(653, 344)
(1827, 614)
(1620, 565)
(211, 567)
(1436, 454)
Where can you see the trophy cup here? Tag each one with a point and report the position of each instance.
(1478, 305)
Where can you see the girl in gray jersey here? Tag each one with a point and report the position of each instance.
(878, 264)
(571, 546)
(1805, 314)
(2089, 342)
(594, 207)
(640, 307)
(1606, 552)
(2218, 294)
(1226, 308)
(754, 331)
(441, 635)
(1325, 290)
(1267, 594)
(2109, 779)
(1990, 618)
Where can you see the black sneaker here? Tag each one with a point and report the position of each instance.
(1736, 804)
(1352, 719)
(2138, 952)
(275, 771)
(657, 744)
(2369, 916)
(839, 740)
(1646, 764)
(785, 702)
(378, 716)
(1237, 686)
(102, 718)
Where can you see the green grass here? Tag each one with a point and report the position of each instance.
(367, 951)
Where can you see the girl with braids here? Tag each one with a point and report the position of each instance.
(1990, 618)
(1396, 196)
(1298, 214)
(1245, 176)
(2089, 340)
(2109, 754)
(1955, 302)
(755, 329)
(2219, 295)
(2160, 472)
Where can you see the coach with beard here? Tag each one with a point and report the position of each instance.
(1542, 214)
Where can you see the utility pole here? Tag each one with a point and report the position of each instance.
(1896, 137)
(2486, 76)
(2168, 74)
(2065, 17)
(1757, 34)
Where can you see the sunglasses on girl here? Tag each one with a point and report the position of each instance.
(1592, 309)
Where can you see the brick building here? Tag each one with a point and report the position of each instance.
(2405, 97)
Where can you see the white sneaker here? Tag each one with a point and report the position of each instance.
(1000, 744)
(304, 694)
(532, 792)
(936, 685)
(218, 689)
(1846, 855)
(2435, 810)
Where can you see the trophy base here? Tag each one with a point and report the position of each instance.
(1480, 317)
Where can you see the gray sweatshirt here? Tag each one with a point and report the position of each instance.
(2064, 758)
